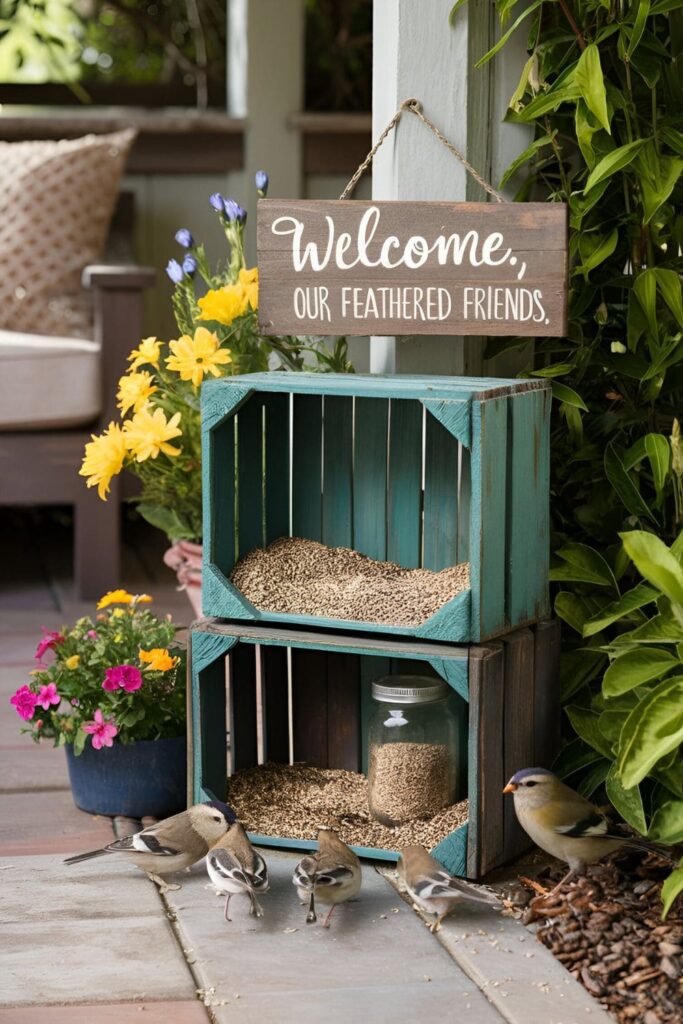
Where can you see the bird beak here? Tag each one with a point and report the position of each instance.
(510, 788)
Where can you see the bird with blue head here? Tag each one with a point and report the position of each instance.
(172, 844)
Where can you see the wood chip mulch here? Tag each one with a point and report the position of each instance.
(606, 928)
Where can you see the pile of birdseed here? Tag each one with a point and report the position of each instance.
(409, 780)
(294, 801)
(296, 576)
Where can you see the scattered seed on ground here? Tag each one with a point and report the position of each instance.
(296, 800)
(296, 576)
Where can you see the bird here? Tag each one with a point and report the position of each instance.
(332, 875)
(564, 823)
(234, 866)
(171, 844)
(432, 888)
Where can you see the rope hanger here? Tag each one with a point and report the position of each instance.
(415, 107)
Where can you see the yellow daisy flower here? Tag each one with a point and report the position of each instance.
(73, 662)
(223, 304)
(114, 597)
(134, 391)
(148, 433)
(148, 352)
(158, 659)
(103, 459)
(194, 357)
(249, 281)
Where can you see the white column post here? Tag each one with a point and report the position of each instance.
(418, 54)
(266, 86)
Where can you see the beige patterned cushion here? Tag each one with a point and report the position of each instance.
(56, 202)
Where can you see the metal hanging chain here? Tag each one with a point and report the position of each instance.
(416, 108)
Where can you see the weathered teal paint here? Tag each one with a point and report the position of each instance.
(452, 851)
(307, 487)
(404, 518)
(371, 435)
(277, 440)
(338, 471)
(357, 480)
(440, 544)
(206, 651)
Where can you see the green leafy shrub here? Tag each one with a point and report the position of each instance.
(602, 94)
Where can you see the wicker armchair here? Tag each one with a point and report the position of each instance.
(40, 466)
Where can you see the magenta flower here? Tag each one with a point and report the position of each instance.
(48, 642)
(48, 695)
(92, 634)
(25, 702)
(102, 732)
(122, 677)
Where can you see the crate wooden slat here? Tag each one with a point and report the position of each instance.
(424, 471)
(507, 692)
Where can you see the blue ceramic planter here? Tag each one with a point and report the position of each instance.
(134, 779)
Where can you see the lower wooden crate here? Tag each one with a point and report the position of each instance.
(258, 694)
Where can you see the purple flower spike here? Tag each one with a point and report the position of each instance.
(189, 265)
(235, 212)
(217, 202)
(184, 237)
(175, 271)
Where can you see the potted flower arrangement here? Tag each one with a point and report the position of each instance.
(111, 690)
(158, 438)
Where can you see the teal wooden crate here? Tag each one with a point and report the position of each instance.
(263, 693)
(424, 471)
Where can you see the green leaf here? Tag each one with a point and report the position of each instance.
(515, 100)
(631, 601)
(658, 177)
(586, 726)
(613, 162)
(594, 777)
(652, 730)
(79, 741)
(667, 823)
(525, 157)
(635, 668)
(567, 395)
(627, 802)
(584, 564)
(669, 284)
(659, 456)
(571, 608)
(454, 10)
(506, 35)
(595, 250)
(166, 519)
(556, 370)
(655, 562)
(591, 84)
(638, 26)
(645, 290)
(586, 127)
(577, 668)
(573, 757)
(673, 885)
(671, 777)
(663, 629)
(624, 485)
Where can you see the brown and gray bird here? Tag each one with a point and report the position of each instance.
(431, 886)
(172, 844)
(234, 867)
(332, 875)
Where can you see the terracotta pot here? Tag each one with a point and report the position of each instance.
(185, 558)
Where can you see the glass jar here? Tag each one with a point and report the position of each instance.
(413, 749)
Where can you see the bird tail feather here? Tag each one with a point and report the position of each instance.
(77, 858)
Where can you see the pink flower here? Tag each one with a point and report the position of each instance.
(102, 732)
(92, 634)
(25, 702)
(75, 701)
(124, 677)
(48, 642)
(48, 695)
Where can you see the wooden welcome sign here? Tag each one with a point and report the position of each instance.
(350, 267)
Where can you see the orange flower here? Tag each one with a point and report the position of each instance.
(158, 659)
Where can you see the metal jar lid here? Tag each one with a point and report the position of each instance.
(409, 690)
